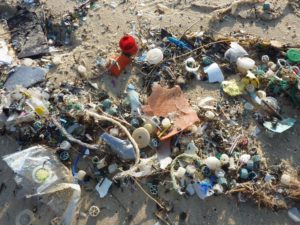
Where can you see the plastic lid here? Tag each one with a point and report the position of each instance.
(293, 55)
(141, 136)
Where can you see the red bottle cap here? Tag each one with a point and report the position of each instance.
(128, 45)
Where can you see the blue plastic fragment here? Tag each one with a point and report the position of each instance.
(179, 43)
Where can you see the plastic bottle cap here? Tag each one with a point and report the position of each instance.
(25, 217)
(128, 45)
(141, 136)
(293, 55)
(166, 123)
(65, 145)
(81, 174)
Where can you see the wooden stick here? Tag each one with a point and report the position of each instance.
(71, 138)
(143, 190)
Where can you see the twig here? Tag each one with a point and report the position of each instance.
(161, 218)
(143, 190)
(115, 118)
(71, 138)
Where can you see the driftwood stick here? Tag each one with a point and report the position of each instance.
(71, 138)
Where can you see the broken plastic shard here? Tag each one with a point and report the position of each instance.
(25, 76)
(27, 34)
(163, 101)
(4, 57)
(203, 189)
(233, 87)
(133, 97)
(281, 126)
(103, 187)
(214, 73)
(163, 154)
(121, 148)
(234, 52)
(191, 149)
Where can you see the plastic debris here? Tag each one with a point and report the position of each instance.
(133, 97)
(41, 173)
(294, 214)
(94, 211)
(280, 126)
(27, 34)
(121, 148)
(103, 187)
(5, 58)
(163, 101)
(234, 52)
(214, 73)
(233, 87)
(25, 77)
(25, 217)
(154, 56)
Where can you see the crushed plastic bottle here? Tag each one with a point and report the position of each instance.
(135, 103)
(121, 148)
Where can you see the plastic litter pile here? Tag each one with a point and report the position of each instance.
(204, 148)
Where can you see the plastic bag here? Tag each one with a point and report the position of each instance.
(39, 172)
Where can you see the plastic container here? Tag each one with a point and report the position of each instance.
(154, 56)
(117, 64)
(244, 64)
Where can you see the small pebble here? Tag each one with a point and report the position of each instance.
(81, 70)
(56, 60)
(27, 62)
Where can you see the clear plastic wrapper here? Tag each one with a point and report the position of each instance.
(39, 172)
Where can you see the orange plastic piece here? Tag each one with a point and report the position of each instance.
(163, 101)
(117, 64)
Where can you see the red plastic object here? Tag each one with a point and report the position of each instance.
(128, 45)
(118, 64)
